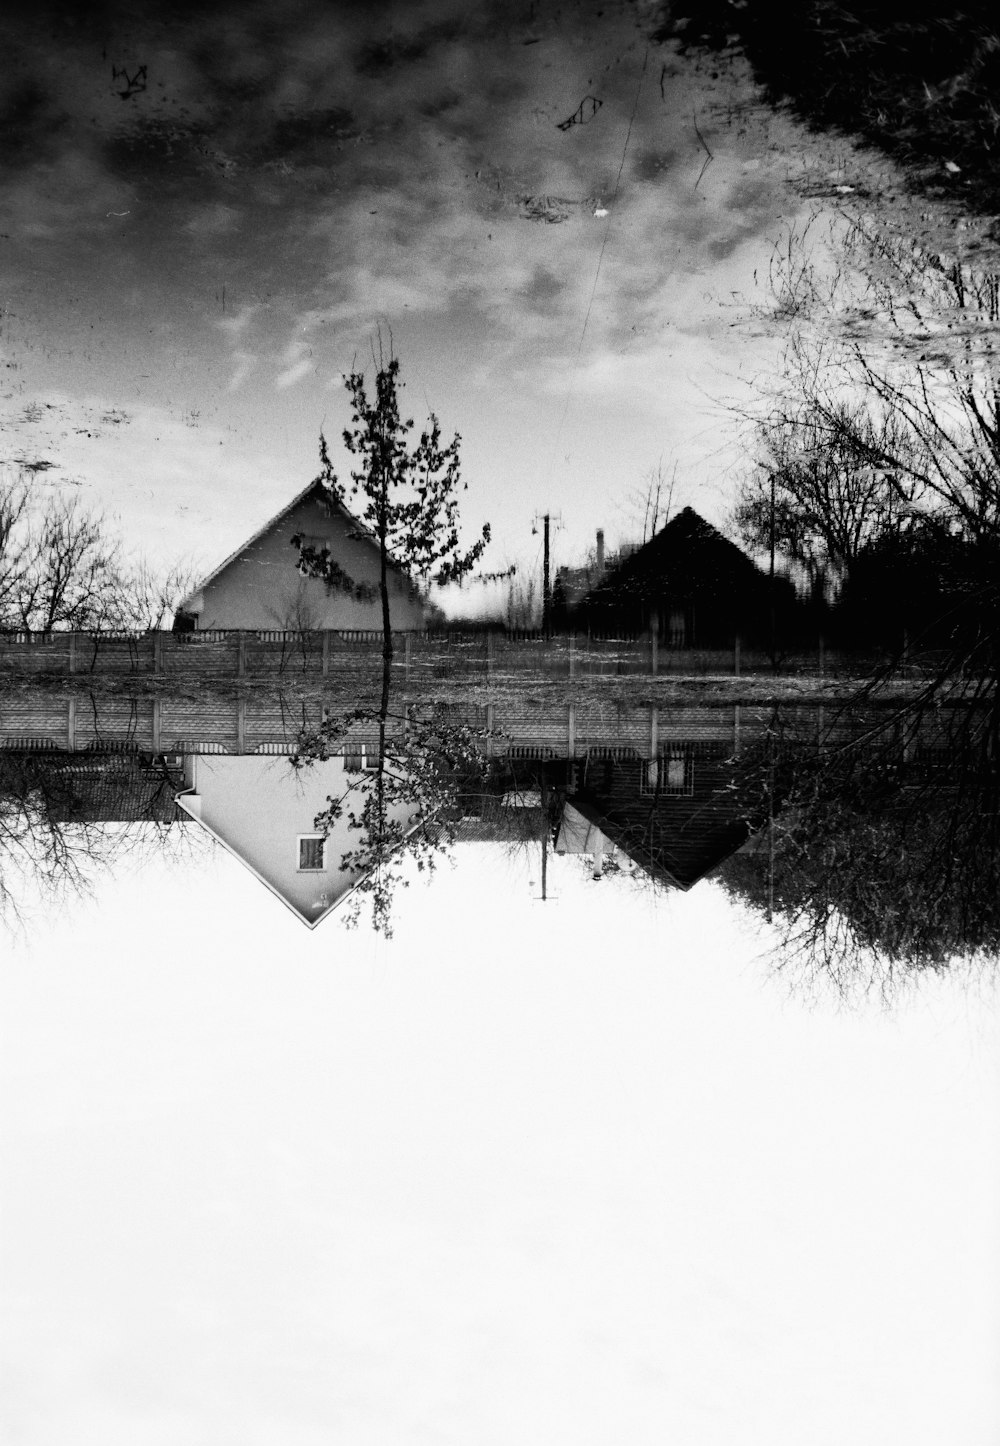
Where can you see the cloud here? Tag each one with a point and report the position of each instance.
(235, 324)
(298, 362)
(244, 366)
(216, 219)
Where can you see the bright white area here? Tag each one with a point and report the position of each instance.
(573, 1174)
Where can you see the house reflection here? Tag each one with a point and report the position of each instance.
(263, 812)
(640, 790)
(673, 816)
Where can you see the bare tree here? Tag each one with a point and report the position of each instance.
(878, 843)
(522, 601)
(54, 844)
(828, 480)
(148, 596)
(651, 501)
(63, 567)
(881, 849)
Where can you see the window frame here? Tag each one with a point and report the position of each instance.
(302, 868)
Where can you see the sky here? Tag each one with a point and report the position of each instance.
(589, 1173)
(209, 211)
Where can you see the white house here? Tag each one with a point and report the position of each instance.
(262, 810)
(259, 585)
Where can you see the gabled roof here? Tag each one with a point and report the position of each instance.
(692, 550)
(688, 556)
(186, 802)
(677, 838)
(245, 836)
(322, 494)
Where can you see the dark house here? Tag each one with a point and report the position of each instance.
(84, 787)
(676, 817)
(693, 585)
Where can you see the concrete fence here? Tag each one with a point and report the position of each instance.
(42, 719)
(453, 654)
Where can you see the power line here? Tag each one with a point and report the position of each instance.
(600, 258)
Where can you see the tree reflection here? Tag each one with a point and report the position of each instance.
(66, 818)
(428, 766)
(877, 851)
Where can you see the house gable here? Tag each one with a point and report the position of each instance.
(259, 585)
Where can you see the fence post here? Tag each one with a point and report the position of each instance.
(241, 654)
(736, 656)
(72, 652)
(326, 652)
(572, 655)
(241, 725)
(157, 654)
(71, 724)
(654, 640)
(571, 731)
(156, 726)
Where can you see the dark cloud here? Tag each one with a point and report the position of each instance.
(307, 135)
(652, 165)
(376, 57)
(543, 288)
(157, 155)
(30, 123)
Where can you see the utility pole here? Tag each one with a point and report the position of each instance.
(546, 570)
(545, 833)
(771, 584)
(546, 580)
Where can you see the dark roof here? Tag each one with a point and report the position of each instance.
(106, 789)
(676, 838)
(689, 556)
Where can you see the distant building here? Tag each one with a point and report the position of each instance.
(259, 585)
(573, 584)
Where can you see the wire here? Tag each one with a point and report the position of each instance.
(600, 258)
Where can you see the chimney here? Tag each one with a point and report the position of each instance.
(600, 549)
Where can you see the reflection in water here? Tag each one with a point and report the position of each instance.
(863, 826)
(58, 812)
(881, 841)
(326, 802)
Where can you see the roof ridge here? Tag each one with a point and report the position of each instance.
(316, 485)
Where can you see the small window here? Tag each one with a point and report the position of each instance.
(311, 850)
(671, 773)
(675, 773)
(360, 758)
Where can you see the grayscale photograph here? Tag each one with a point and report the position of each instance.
(499, 723)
